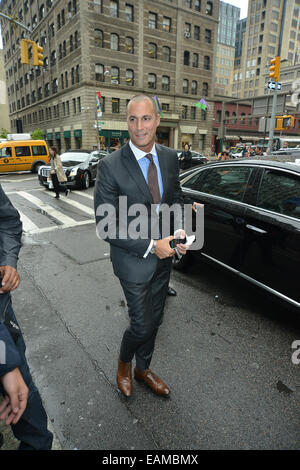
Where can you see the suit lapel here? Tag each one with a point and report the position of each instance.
(134, 169)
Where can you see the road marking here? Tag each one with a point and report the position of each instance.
(83, 194)
(17, 181)
(76, 204)
(64, 219)
(59, 227)
(28, 225)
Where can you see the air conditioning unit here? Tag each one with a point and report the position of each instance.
(187, 34)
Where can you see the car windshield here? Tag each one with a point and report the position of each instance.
(74, 157)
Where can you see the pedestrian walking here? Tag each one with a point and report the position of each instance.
(57, 174)
(22, 406)
(186, 158)
(146, 173)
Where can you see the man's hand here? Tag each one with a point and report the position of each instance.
(181, 248)
(10, 279)
(163, 249)
(15, 401)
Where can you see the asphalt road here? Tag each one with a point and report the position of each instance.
(224, 348)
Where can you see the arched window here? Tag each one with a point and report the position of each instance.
(186, 58)
(129, 77)
(234, 117)
(115, 75)
(76, 39)
(129, 45)
(185, 86)
(152, 50)
(205, 89)
(194, 87)
(166, 52)
(152, 80)
(99, 71)
(114, 42)
(195, 60)
(206, 63)
(98, 38)
(165, 83)
(209, 8)
(41, 12)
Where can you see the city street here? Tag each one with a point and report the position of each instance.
(224, 347)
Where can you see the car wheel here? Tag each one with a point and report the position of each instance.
(35, 168)
(86, 180)
(182, 263)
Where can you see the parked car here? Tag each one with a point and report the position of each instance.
(197, 158)
(80, 167)
(251, 222)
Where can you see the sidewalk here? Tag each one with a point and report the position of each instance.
(10, 443)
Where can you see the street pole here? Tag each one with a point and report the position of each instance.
(16, 22)
(272, 123)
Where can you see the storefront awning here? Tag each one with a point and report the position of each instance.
(49, 136)
(188, 129)
(67, 134)
(57, 135)
(77, 133)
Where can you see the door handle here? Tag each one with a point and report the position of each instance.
(256, 229)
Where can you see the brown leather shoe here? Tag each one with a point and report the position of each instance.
(154, 382)
(124, 378)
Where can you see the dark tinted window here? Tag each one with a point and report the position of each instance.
(228, 182)
(23, 151)
(194, 181)
(280, 192)
(39, 150)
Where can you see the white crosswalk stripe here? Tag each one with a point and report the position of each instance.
(60, 220)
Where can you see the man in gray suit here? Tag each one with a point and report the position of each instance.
(148, 174)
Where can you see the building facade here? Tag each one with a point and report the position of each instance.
(118, 48)
(228, 18)
(4, 117)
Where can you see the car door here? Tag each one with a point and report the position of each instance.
(6, 159)
(23, 158)
(222, 189)
(271, 254)
(93, 163)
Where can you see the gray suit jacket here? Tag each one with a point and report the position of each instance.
(119, 174)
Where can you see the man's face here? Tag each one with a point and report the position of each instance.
(142, 122)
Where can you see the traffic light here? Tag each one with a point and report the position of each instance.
(284, 122)
(274, 68)
(37, 54)
(24, 52)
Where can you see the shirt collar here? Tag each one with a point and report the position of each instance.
(138, 153)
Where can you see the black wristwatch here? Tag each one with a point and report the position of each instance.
(153, 249)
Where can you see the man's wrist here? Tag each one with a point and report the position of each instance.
(153, 248)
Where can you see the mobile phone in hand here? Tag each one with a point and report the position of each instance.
(177, 241)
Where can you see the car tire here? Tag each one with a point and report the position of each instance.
(86, 180)
(182, 263)
(35, 168)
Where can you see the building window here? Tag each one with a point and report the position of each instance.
(165, 83)
(209, 8)
(152, 22)
(114, 42)
(208, 36)
(114, 8)
(206, 63)
(152, 81)
(197, 33)
(115, 75)
(194, 89)
(195, 60)
(186, 58)
(71, 43)
(184, 112)
(98, 38)
(205, 89)
(99, 71)
(185, 86)
(129, 77)
(198, 5)
(152, 50)
(129, 45)
(193, 112)
(166, 24)
(129, 12)
(166, 53)
(115, 105)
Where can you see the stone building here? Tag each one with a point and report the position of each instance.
(118, 48)
(4, 118)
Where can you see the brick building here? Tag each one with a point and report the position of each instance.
(120, 48)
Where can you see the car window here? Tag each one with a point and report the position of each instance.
(280, 192)
(194, 181)
(5, 152)
(229, 182)
(23, 151)
(74, 157)
(39, 150)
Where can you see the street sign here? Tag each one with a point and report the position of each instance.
(279, 86)
(271, 85)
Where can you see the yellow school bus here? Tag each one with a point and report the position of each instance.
(22, 155)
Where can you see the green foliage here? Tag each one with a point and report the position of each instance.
(37, 134)
(3, 133)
